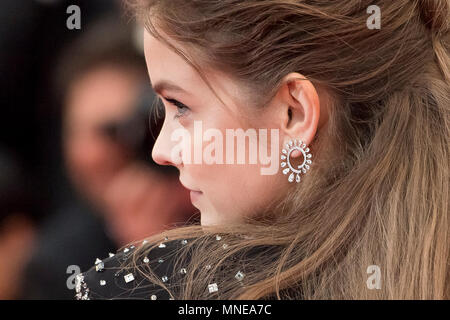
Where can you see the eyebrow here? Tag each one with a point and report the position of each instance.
(166, 85)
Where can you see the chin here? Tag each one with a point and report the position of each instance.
(204, 221)
(207, 219)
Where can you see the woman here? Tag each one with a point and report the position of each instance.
(369, 105)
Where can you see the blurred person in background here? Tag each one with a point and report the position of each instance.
(34, 189)
(101, 82)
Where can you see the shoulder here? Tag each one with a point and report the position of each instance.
(108, 279)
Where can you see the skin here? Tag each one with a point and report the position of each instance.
(229, 192)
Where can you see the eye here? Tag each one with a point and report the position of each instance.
(182, 109)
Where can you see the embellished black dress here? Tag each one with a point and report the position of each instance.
(107, 280)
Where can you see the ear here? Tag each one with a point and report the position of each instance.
(300, 108)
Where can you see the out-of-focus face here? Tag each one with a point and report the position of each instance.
(224, 192)
(101, 96)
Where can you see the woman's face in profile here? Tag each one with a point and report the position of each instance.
(224, 191)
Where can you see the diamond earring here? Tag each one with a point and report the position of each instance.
(285, 157)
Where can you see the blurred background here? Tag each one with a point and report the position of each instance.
(76, 176)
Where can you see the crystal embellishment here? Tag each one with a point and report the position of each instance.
(164, 279)
(239, 276)
(128, 277)
(183, 271)
(102, 282)
(99, 266)
(97, 261)
(146, 260)
(183, 242)
(161, 245)
(213, 287)
(82, 291)
(218, 238)
(153, 297)
(79, 279)
(111, 254)
(160, 260)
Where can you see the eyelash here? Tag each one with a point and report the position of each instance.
(179, 106)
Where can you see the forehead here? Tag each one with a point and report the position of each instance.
(164, 65)
(103, 94)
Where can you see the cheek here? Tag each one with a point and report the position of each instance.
(236, 190)
(85, 153)
(92, 155)
(251, 190)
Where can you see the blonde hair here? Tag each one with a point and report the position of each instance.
(377, 193)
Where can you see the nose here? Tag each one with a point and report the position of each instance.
(162, 149)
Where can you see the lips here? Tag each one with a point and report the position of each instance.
(195, 195)
(190, 189)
